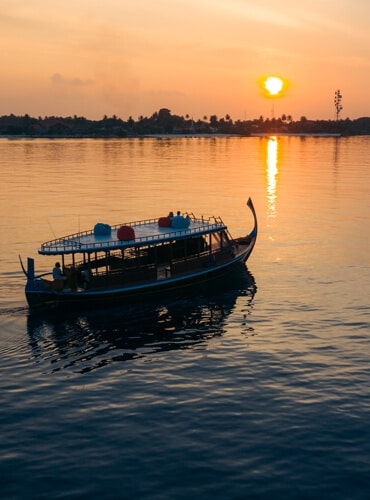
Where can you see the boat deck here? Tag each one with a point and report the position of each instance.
(146, 233)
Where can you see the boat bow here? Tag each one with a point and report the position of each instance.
(253, 233)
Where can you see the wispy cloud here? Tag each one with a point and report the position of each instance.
(58, 79)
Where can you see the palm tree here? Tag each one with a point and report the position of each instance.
(338, 103)
(213, 121)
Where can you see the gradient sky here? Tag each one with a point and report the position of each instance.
(196, 57)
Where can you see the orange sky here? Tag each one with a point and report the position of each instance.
(196, 57)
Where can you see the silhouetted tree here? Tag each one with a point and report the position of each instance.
(213, 121)
(338, 103)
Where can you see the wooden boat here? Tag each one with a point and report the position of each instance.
(136, 260)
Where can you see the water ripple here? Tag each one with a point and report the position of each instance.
(94, 339)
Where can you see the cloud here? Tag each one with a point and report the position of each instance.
(58, 79)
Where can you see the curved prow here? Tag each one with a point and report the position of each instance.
(253, 233)
(247, 242)
(30, 272)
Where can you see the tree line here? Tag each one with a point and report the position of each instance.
(163, 122)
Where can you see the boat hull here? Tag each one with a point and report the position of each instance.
(41, 298)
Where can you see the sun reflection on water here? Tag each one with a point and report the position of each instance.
(272, 172)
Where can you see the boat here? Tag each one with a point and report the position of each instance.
(135, 260)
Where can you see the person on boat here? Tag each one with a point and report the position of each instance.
(179, 221)
(59, 278)
(57, 272)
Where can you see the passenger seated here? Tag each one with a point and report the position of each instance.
(59, 278)
(180, 222)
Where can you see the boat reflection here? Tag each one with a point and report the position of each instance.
(88, 340)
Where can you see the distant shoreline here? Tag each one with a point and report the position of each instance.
(179, 136)
(297, 134)
(164, 124)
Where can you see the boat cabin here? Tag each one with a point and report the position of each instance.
(142, 251)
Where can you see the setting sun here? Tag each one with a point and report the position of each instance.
(273, 86)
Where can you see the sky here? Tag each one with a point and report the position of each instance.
(194, 57)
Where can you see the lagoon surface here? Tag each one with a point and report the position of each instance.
(258, 387)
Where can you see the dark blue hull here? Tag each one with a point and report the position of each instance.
(40, 298)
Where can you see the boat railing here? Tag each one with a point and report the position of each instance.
(73, 239)
(73, 242)
(202, 260)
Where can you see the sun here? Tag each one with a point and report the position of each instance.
(273, 86)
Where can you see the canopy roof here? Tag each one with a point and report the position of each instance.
(146, 233)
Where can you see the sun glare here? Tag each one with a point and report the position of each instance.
(273, 86)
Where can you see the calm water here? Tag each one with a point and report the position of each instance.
(258, 387)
